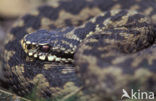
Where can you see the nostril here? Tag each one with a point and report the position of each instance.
(29, 47)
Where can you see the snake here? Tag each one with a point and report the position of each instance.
(94, 48)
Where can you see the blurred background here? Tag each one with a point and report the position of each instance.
(11, 10)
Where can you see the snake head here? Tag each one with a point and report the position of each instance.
(45, 45)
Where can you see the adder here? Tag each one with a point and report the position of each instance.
(94, 48)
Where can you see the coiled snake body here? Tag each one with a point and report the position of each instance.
(101, 46)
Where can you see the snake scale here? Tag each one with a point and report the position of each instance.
(95, 47)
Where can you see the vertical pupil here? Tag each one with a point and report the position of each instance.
(45, 48)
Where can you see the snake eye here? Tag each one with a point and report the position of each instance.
(45, 48)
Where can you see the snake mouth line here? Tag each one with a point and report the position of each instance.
(45, 53)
